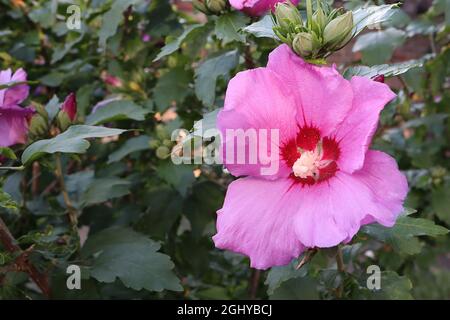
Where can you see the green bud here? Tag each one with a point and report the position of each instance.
(304, 44)
(63, 120)
(216, 6)
(161, 132)
(40, 109)
(339, 31)
(200, 5)
(154, 144)
(38, 125)
(168, 143)
(320, 20)
(162, 152)
(286, 14)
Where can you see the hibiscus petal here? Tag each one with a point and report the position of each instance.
(255, 100)
(389, 186)
(256, 7)
(16, 94)
(356, 131)
(325, 96)
(333, 212)
(13, 125)
(256, 220)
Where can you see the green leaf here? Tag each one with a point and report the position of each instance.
(304, 288)
(71, 141)
(60, 51)
(401, 236)
(164, 208)
(209, 71)
(262, 28)
(440, 201)
(371, 16)
(388, 70)
(229, 25)
(112, 19)
(175, 45)
(117, 110)
(130, 146)
(104, 189)
(180, 177)
(278, 275)
(378, 47)
(201, 207)
(131, 257)
(393, 287)
(7, 202)
(52, 107)
(171, 88)
(8, 153)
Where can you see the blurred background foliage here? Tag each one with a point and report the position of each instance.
(145, 224)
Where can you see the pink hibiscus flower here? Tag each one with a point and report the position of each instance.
(257, 7)
(13, 118)
(328, 183)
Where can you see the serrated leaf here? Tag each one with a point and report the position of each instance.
(117, 110)
(132, 258)
(401, 236)
(278, 275)
(370, 16)
(228, 27)
(262, 28)
(103, 189)
(440, 201)
(304, 288)
(378, 46)
(209, 71)
(388, 70)
(71, 141)
(172, 87)
(130, 146)
(173, 46)
(112, 19)
(393, 287)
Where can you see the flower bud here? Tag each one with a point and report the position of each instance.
(38, 125)
(339, 31)
(216, 6)
(154, 144)
(320, 20)
(69, 107)
(40, 109)
(379, 78)
(162, 152)
(200, 5)
(286, 14)
(168, 143)
(304, 44)
(161, 132)
(63, 120)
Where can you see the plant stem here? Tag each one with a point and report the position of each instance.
(22, 263)
(21, 168)
(73, 215)
(254, 282)
(341, 269)
(309, 13)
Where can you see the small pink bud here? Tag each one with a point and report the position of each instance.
(379, 78)
(70, 106)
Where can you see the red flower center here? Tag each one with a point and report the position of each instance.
(311, 157)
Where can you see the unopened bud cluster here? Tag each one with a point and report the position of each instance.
(161, 143)
(214, 7)
(325, 30)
